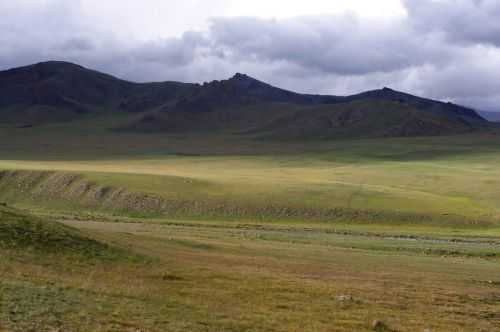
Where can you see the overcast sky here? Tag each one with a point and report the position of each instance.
(445, 49)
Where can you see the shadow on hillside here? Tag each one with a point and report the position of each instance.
(37, 145)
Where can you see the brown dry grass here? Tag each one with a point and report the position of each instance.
(217, 279)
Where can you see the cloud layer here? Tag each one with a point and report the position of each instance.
(447, 49)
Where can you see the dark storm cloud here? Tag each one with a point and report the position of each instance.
(173, 51)
(442, 49)
(76, 44)
(30, 33)
(344, 45)
(466, 21)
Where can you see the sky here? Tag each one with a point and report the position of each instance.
(442, 49)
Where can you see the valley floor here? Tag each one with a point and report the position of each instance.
(226, 233)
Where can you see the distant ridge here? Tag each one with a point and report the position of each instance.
(490, 116)
(57, 91)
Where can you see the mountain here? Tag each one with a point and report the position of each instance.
(60, 91)
(53, 91)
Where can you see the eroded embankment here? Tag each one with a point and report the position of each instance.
(74, 189)
(68, 191)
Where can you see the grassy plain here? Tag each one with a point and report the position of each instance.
(447, 178)
(286, 236)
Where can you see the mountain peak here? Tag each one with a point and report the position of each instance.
(52, 65)
(240, 75)
(58, 63)
(242, 78)
(243, 81)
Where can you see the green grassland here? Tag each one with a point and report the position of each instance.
(447, 180)
(227, 232)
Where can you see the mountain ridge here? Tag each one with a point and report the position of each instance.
(57, 91)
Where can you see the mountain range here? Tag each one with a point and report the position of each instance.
(57, 91)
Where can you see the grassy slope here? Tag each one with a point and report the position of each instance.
(22, 231)
(33, 252)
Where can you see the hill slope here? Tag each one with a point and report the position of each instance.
(60, 91)
(19, 230)
(366, 118)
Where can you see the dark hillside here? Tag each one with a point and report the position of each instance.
(59, 84)
(365, 118)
